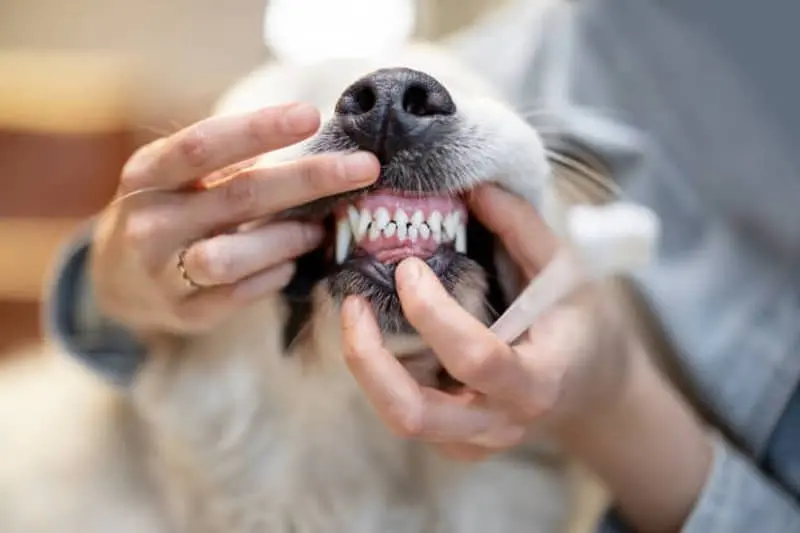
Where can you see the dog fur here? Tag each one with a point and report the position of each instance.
(228, 433)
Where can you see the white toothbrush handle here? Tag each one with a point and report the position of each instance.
(558, 279)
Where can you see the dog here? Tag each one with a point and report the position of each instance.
(257, 426)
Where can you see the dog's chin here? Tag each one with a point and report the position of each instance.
(366, 276)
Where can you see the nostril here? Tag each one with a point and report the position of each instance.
(357, 100)
(364, 99)
(421, 101)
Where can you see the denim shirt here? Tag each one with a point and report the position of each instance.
(693, 105)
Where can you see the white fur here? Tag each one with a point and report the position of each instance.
(223, 433)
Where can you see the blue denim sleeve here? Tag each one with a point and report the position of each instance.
(737, 498)
(73, 319)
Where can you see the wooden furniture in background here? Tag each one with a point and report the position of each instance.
(64, 135)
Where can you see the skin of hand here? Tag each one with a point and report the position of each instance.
(577, 373)
(163, 208)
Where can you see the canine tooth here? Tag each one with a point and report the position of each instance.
(450, 226)
(461, 239)
(390, 229)
(381, 217)
(425, 231)
(343, 234)
(363, 224)
(353, 216)
(413, 233)
(417, 218)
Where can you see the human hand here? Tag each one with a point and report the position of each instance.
(568, 367)
(140, 240)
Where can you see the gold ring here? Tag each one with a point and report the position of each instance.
(184, 274)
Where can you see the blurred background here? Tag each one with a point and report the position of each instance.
(84, 82)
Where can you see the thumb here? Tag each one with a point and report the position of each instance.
(523, 232)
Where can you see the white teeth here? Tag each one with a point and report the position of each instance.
(363, 224)
(358, 225)
(435, 224)
(417, 218)
(343, 233)
(401, 218)
(450, 226)
(461, 239)
(354, 217)
(402, 230)
(381, 218)
(374, 232)
(424, 232)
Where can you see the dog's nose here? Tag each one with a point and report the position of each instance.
(392, 109)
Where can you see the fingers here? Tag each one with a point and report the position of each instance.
(159, 228)
(526, 236)
(206, 307)
(258, 192)
(229, 258)
(464, 452)
(408, 409)
(211, 144)
(466, 348)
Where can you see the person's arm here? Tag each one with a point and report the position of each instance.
(74, 321)
(670, 474)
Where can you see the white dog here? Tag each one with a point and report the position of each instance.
(257, 426)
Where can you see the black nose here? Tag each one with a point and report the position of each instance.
(392, 109)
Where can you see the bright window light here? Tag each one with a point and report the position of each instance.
(304, 31)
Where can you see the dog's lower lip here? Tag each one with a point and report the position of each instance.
(383, 274)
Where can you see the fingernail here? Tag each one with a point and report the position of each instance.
(300, 118)
(360, 167)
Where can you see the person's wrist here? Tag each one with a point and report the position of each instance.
(648, 446)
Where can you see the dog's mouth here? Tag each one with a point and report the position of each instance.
(375, 231)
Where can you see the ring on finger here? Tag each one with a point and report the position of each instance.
(191, 283)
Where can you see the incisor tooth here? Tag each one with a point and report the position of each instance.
(450, 225)
(461, 239)
(402, 231)
(381, 217)
(373, 233)
(401, 218)
(363, 224)
(435, 224)
(413, 233)
(390, 229)
(417, 218)
(343, 234)
(425, 231)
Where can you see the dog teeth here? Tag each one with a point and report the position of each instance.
(461, 239)
(363, 225)
(450, 225)
(424, 232)
(381, 218)
(402, 230)
(354, 217)
(358, 225)
(374, 232)
(401, 218)
(343, 233)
